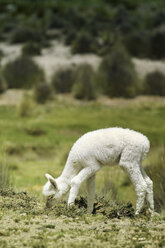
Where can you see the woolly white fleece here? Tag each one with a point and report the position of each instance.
(104, 147)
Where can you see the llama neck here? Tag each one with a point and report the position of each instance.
(70, 171)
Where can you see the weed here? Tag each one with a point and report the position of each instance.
(42, 93)
(4, 176)
(34, 131)
(26, 107)
(156, 171)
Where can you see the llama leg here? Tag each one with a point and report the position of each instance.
(83, 175)
(134, 173)
(149, 195)
(91, 193)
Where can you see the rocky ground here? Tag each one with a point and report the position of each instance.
(27, 222)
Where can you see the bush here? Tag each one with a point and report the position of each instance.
(23, 72)
(84, 43)
(31, 48)
(138, 44)
(8, 27)
(123, 20)
(3, 86)
(70, 36)
(83, 87)
(62, 80)
(26, 107)
(154, 84)
(117, 74)
(156, 171)
(158, 43)
(23, 34)
(4, 176)
(42, 92)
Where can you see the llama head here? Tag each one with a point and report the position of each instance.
(51, 187)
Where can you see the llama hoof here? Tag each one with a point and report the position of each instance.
(89, 211)
(70, 204)
(137, 212)
(155, 214)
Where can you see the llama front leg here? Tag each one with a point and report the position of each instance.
(90, 193)
(76, 182)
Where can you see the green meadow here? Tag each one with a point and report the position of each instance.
(38, 143)
(36, 139)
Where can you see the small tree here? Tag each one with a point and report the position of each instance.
(83, 87)
(42, 92)
(23, 34)
(31, 48)
(4, 176)
(158, 43)
(23, 72)
(3, 86)
(62, 80)
(117, 74)
(154, 84)
(84, 43)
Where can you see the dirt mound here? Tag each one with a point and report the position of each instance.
(20, 201)
(101, 206)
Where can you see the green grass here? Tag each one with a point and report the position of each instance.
(38, 144)
(34, 145)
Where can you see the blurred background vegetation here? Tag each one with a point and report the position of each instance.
(38, 131)
(114, 30)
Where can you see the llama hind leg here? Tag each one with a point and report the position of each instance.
(91, 193)
(134, 173)
(149, 195)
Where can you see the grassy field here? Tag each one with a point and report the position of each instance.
(39, 143)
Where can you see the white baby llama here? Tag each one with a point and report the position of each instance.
(104, 147)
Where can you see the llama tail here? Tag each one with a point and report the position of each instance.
(146, 148)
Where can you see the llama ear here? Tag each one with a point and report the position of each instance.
(51, 180)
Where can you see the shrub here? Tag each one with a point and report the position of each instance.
(70, 35)
(23, 34)
(4, 176)
(42, 92)
(26, 107)
(154, 84)
(158, 43)
(138, 43)
(57, 22)
(1, 54)
(83, 87)
(156, 171)
(3, 86)
(62, 80)
(123, 20)
(23, 72)
(117, 74)
(84, 43)
(8, 27)
(31, 48)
